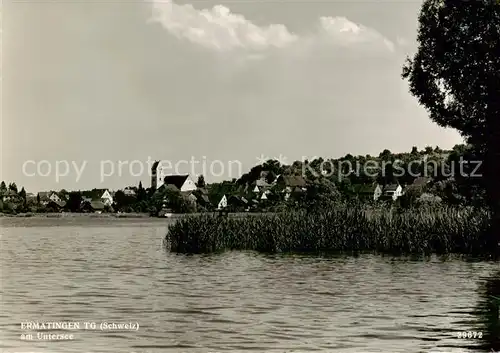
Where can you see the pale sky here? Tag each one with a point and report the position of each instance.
(86, 82)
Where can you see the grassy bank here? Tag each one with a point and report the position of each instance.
(343, 229)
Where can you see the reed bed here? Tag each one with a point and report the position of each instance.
(342, 229)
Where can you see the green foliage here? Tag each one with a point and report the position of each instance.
(22, 194)
(141, 193)
(74, 201)
(272, 166)
(385, 155)
(124, 202)
(344, 228)
(455, 76)
(320, 195)
(201, 181)
(271, 176)
(454, 72)
(13, 187)
(410, 197)
(51, 208)
(41, 209)
(171, 197)
(217, 190)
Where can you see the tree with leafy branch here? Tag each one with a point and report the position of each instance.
(141, 193)
(13, 187)
(22, 194)
(201, 181)
(270, 177)
(74, 201)
(455, 75)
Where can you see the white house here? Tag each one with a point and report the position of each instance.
(377, 192)
(54, 197)
(261, 184)
(159, 177)
(128, 191)
(182, 182)
(47, 196)
(106, 197)
(222, 203)
(264, 195)
(393, 190)
(9, 195)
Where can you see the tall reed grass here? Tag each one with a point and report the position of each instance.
(341, 229)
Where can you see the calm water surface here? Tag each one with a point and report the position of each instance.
(93, 270)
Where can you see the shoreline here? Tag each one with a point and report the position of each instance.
(119, 215)
(76, 215)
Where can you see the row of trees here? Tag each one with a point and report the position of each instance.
(320, 189)
(13, 188)
(452, 174)
(13, 197)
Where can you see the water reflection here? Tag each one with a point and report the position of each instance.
(235, 301)
(488, 315)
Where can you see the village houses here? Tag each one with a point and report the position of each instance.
(222, 203)
(183, 183)
(106, 198)
(392, 191)
(48, 196)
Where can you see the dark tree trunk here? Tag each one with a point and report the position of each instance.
(492, 170)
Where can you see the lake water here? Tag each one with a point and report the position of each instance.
(98, 270)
